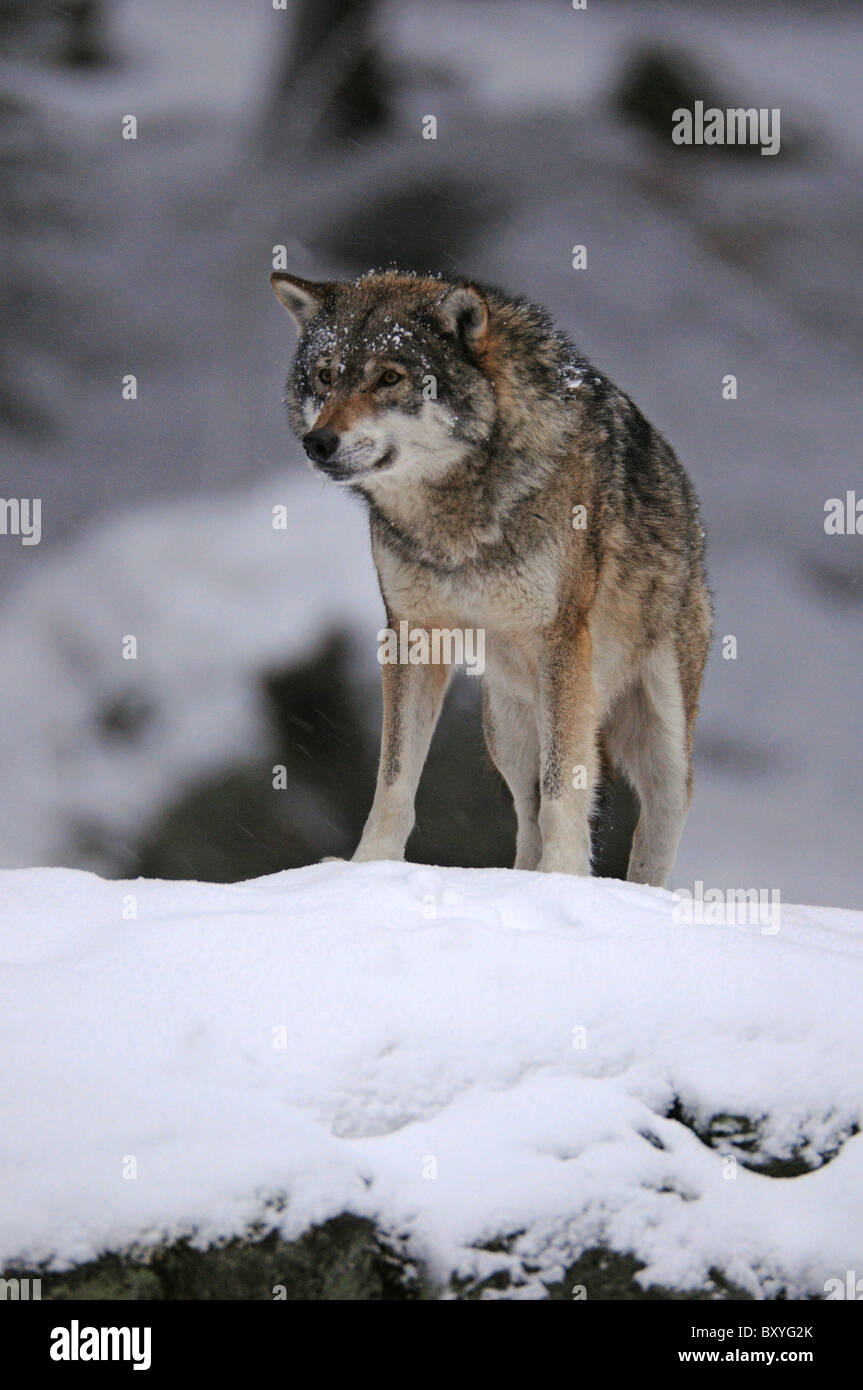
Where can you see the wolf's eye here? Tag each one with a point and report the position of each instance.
(389, 378)
(325, 376)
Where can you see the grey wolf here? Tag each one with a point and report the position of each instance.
(512, 487)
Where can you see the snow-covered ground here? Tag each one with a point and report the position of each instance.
(460, 1055)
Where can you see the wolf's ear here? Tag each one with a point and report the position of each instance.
(301, 298)
(463, 311)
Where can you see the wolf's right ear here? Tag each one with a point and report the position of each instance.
(301, 298)
(464, 312)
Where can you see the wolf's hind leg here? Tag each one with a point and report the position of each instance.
(646, 736)
(513, 742)
(413, 696)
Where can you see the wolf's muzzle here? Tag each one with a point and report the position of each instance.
(320, 445)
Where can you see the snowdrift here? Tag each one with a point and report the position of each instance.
(504, 1070)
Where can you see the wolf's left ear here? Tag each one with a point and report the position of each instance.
(464, 312)
(301, 298)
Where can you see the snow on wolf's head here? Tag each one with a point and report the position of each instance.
(387, 386)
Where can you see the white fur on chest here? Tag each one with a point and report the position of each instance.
(504, 602)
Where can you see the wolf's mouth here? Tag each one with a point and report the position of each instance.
(351, 475)
(385, 459)
(338, 473)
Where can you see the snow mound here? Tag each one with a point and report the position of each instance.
(472, 1058)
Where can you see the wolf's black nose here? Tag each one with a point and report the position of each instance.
(320, 445)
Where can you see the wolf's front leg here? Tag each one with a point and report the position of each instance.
(412, 700)
(567, 718)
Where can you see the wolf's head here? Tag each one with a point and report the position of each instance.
(391, 382)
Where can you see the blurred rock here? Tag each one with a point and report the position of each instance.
(333, 83)
(237, 825)
(419, 225)
(84, 42)
(73, 34)
(656, 82)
